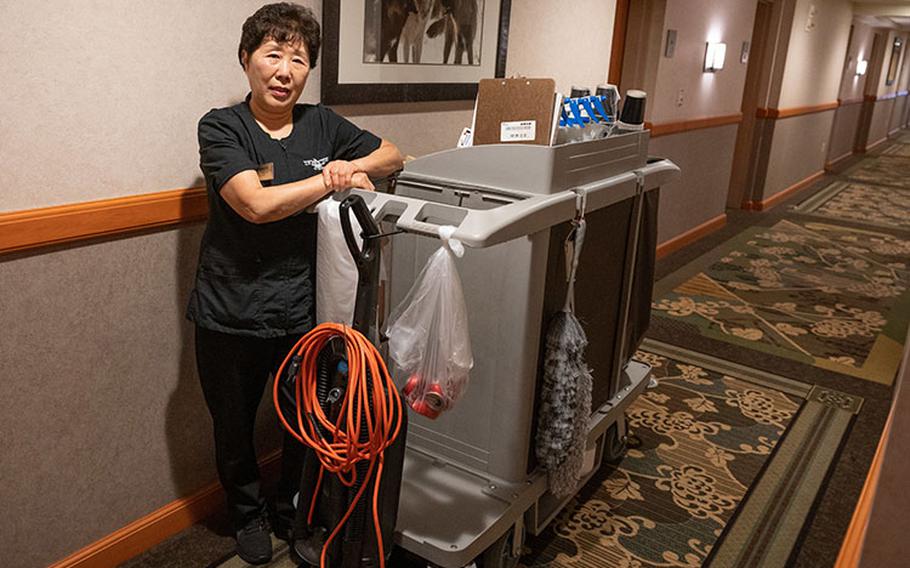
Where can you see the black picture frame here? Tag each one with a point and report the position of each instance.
(335, 93)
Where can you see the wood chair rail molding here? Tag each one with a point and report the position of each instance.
(22, 231)
(879, 98)
(667, 128)
(776, 113)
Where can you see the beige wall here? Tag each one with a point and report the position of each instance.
(897, 114)
(703, 94)
(815, 58)
(881, 118)
(798, 151)
(843, 131)
(698, 196)
(101, 99)
(547, 39)
(111, 107)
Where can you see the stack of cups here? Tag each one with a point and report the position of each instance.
(633, 111)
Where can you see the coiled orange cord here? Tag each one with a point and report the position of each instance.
(342, 454)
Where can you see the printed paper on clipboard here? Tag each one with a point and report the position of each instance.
(514, 111)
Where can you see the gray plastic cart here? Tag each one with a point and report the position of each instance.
(471, 488)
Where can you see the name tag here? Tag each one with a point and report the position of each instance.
(517, 131)
(266, 172)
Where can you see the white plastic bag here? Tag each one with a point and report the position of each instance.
(336, 273)
(428, 333)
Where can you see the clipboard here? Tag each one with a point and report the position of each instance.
(514, 111)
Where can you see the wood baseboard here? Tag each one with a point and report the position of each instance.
(144, 533)
(770, 202)
(833, 164)
(690, 236)
(876, 144)
(852, 545)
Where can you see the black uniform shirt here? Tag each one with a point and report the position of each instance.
(259, 280)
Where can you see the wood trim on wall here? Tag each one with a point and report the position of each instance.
(879, 98)
(833, 164)
(144, 533)
(795, 111)
(666, 128)
(37, 228)
(770, 202)
(846, 102)
(852, 545)
(690, 236)
(618, 47)
(876, 144)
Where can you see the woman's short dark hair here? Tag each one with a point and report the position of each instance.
(283, 22)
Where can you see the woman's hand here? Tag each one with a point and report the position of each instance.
(338, 175)
(361, 181)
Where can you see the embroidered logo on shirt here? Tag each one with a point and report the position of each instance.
(317, 163)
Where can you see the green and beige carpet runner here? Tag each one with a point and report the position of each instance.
(711, 438)
(861, 202)
(821, 294)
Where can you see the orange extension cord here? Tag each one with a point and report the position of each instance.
(341, 455)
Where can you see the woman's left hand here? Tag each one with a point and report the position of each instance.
(337, 175)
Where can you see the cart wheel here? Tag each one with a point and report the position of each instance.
(616, 443)
(500, 555)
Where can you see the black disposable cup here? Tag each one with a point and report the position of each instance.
(633, 109)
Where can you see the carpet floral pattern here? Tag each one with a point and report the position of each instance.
(862, 203)
(899, 150)
(703, 438)
(828, 296)
(882, 170)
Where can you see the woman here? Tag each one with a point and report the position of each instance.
(265, 160)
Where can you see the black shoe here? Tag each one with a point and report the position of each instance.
(283, 529)
(254, 545)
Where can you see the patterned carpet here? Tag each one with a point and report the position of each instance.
(899, 150)
(703, 436)
(829, 296)
(883, 170)
(862, 203)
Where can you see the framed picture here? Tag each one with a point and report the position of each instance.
(379, 51)
(893, 63)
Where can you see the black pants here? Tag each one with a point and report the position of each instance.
(233, 371)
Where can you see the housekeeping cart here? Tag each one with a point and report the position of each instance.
(471, 488)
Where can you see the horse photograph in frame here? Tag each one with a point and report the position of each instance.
(378, 51)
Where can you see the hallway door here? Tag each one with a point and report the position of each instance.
(742, 176)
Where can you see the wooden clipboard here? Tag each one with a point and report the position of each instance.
(514, 111)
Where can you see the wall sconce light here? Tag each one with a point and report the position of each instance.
(715, 54)
(861, 65)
